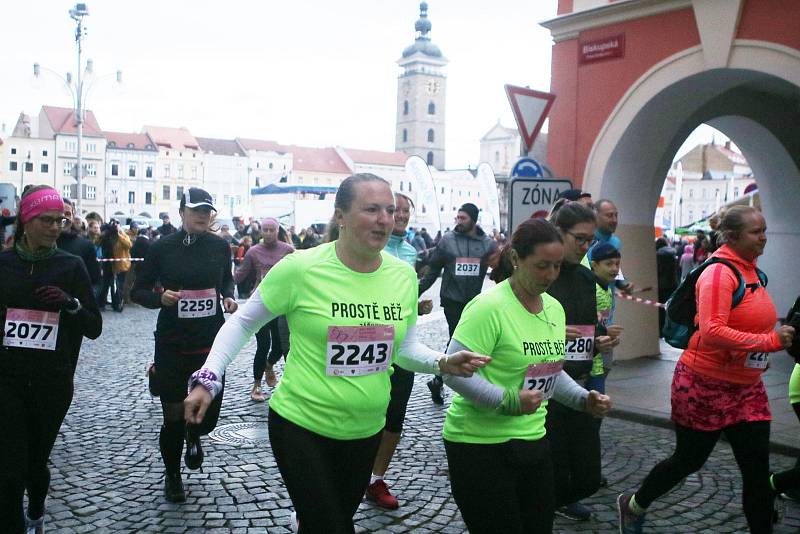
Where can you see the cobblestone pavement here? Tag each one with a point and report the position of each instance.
(107, 473)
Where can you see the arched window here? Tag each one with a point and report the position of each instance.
(429, 159)
(405, 135)
(401, 185)
(405, 107)
(431, 109)
(430, 135)
(497, 156)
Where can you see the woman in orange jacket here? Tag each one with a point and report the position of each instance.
(717, 384)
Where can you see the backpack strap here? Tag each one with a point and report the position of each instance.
(762, 277)
(738, 293)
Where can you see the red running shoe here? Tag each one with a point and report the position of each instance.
(378, 492)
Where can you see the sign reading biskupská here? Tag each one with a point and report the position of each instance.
(611, 47)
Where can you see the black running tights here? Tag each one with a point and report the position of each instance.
(750, 444)
(32, 410)
(326, 478)
(268, 348)
(503, 487)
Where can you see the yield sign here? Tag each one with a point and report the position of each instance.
(530, 110)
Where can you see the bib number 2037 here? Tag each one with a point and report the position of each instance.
(30, 329)
(358, 350)
(468, 267)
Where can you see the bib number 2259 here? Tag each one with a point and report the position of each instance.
(358, 350)
(197, 303)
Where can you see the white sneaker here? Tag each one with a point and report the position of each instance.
(295, 522)
(34, 526)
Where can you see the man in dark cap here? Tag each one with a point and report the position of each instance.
(576, 195)
(463, 254)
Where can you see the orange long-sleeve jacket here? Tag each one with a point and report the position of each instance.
(730, 342)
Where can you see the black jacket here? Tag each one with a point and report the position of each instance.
(575, 290)
(455, 245)
(166, 229)
(204, 264)
(84, 249)
(18, 281)
(139, 250)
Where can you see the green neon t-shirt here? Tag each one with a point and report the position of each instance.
(316, 291)
(495, 323)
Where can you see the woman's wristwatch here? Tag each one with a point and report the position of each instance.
(73, 307)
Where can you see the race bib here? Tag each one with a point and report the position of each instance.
(358, 350)
(757, 360)
(197, 303)
(30, 329)
(543, 376)
(582, 348)
(468, 267)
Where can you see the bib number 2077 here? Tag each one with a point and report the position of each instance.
(30, 329)
(359, 350)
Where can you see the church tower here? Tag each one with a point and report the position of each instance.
(421, 97)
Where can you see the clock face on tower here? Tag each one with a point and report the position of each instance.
(432, 87)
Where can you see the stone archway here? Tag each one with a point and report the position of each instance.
(755, 100)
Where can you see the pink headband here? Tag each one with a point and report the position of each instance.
(269, 220)
(39, 202)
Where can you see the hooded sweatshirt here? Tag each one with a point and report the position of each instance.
(729, 341)
(465, 260)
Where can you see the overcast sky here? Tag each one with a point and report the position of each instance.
(314, 73)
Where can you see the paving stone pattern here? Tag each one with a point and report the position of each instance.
(107, 472)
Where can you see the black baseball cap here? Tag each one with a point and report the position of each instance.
(194, 197)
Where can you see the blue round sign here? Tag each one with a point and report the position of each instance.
(527, 168)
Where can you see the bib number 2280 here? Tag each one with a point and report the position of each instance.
(358, 350)
(581, 348)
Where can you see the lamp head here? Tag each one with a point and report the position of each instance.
(79, 11)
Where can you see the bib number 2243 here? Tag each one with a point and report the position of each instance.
(358, 350)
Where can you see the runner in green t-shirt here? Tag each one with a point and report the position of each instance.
(351, 311)
(501, 471)
(402, 381)
(605, 266)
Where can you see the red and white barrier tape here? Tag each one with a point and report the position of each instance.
(641, 301)
(120, 259)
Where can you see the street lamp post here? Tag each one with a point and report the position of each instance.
(77, 13)
(79, 92)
